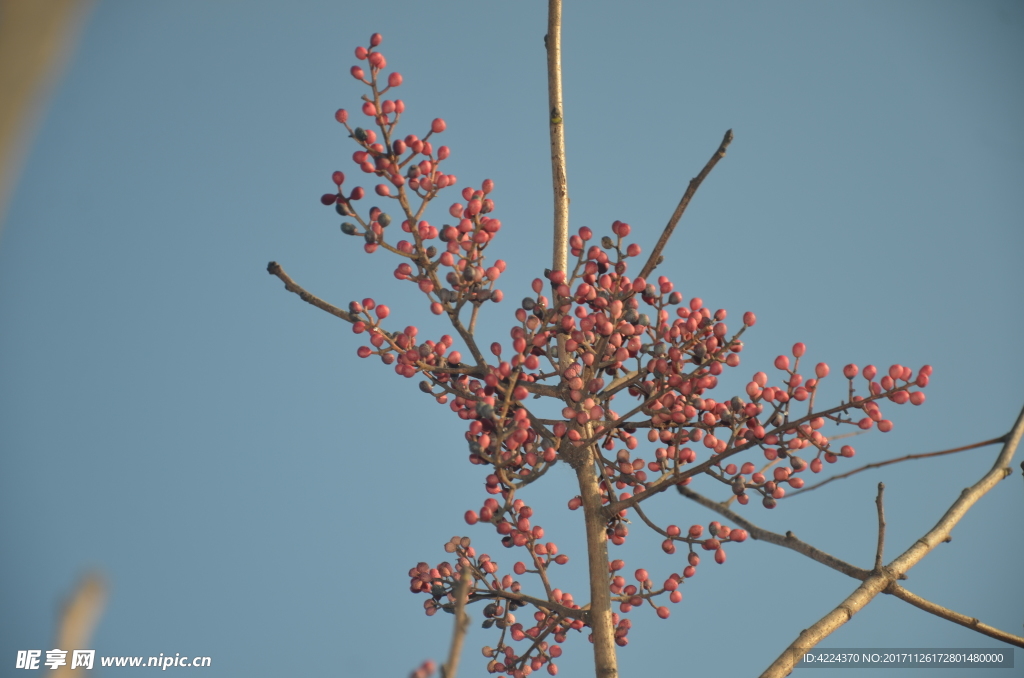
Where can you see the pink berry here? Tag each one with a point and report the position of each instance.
(664, 612)
(799, 348)
(383, 311)
(341, 115)
(749, 319)
(821, 370)
(472, 518)
(437, 126)
(358, 73)
(782, 362)
(394, 80)
(376, 39)
(850, 371)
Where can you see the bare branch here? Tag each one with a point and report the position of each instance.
(880, 464)
(274, 268)
(810, 637)
(880, 551)
(955, 617)
(789, 541)
(559, 183)
(970, 496)
(882, 580)
(652, 261)
(451, 667)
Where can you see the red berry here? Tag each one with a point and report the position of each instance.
(437, 126)
(799, 348)
(472, 518)
(821, 370)
(782, 362)
(850, 371)
(358, 73)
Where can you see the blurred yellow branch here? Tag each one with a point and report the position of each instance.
(35, 41)
(78, 620)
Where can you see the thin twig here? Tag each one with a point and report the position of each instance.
(789, 541)
(880, 551)
(274, 268)
(955, 617)
(880, 464)
(451, 667)
(653, 260)
(881, 581)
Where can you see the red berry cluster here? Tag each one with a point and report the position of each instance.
(583, 339)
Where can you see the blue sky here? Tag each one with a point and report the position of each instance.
(255, 492)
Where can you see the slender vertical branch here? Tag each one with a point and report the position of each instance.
(559, 184)
(556, 124)
(880, 551)
(605, 661)
(451, 667)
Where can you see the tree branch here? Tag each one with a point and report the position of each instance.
(955, 617)
(451, 667)
(880, 551)
(559, 183)
(882, 580)
(274, 268)
(653, 260)
(880, 464)
(788, 541)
